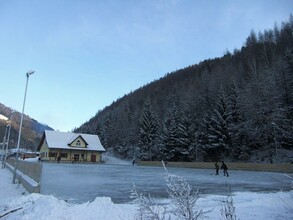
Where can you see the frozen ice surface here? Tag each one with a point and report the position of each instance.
(85, 182)
(249, 205)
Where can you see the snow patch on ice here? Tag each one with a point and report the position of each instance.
(108, 158)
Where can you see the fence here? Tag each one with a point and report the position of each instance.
(28, 174)
(286, 168)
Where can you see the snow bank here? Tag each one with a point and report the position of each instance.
(36, 206)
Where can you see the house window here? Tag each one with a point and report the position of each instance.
(78, 143)
(76, 157)
(52, 154)
(64, 155)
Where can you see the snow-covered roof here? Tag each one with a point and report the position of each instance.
(61, 140)
(2, 117)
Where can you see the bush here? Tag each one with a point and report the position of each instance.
(183, 200)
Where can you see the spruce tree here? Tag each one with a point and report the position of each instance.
(186, 136)
(108, 133)
(148, 132)
(219, 136)
(238, 139)
(170, 135)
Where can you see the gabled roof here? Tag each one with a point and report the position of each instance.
(76, 137)
(61, 140)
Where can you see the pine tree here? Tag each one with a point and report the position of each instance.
(219, 136)
(261, 112)
(204, 126)
(148, 132)
(186, 136)
(286, 133)
(238, 139)
(263, 68)
(203, 134)
(108, 133)
(98, 129)
(170, 135)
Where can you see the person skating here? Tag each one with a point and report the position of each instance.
(225, 169)
(217, 168)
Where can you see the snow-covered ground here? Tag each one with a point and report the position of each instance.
(108, 158)
(36, 206)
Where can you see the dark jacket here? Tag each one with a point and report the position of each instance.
(224, 166)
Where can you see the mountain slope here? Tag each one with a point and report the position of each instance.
(32, 130)
(237, 107)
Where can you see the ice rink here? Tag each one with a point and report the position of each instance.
(84, 182)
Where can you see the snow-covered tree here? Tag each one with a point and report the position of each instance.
(183, 201)
(263, 70)
(238, 139)
(170, 142)
(228, 211)
(186, 136)
(148, 208)
(122, 149)
(107, 135)
(183, 198)
(219, 136)
(261, 112)
(203, 130)
(203, 133)
(148, 132)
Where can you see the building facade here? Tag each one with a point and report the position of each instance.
(70, 147)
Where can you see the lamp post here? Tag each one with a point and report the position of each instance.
(6, 146)
(3, 147)
(8, 136)
(20, 126)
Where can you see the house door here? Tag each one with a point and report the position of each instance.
(76, 157)
(93, 158)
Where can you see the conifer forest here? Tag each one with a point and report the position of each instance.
(238, 107)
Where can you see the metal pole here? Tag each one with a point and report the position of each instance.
(3, 147)
(20, 126)
(7, 146)
(7, 142)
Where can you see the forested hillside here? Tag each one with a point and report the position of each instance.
(32, 130)
(238, 107)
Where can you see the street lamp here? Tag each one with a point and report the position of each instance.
(6, 145)
(8, 136)
(3, 147)
(21, 119)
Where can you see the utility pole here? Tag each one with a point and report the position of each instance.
(20, 126)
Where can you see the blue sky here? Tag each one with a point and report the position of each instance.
(88, 53)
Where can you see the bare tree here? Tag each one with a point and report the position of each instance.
(183, 198)
(148, 207)
(228, 210)
(183, 201)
